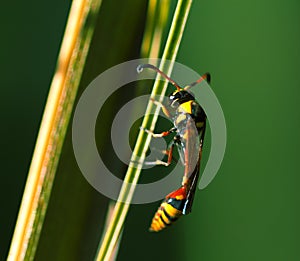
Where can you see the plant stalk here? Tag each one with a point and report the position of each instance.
(132, 175)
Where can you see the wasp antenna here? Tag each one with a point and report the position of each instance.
(140, 68)
(208, 77)
(205, 76)
(150, 66)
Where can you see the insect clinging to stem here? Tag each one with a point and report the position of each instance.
(189, 120)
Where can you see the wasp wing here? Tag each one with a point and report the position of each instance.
(193, 152)
(180, 201)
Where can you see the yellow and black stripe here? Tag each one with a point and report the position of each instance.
(169, 211)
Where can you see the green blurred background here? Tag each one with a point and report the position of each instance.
(251, 209)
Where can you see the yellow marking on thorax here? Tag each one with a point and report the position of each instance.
(186, 107)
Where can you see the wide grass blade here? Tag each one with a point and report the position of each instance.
(55, 120)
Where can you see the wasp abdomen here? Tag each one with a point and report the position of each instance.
(170, 210)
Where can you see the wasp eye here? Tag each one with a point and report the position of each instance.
(175, 95)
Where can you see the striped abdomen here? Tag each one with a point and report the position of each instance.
(170, 210)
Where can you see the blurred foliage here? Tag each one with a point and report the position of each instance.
(76, 212)
(250, 211)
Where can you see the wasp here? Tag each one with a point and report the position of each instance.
(189, 120)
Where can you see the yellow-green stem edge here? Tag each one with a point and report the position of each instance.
(133, 172)
(157, 16)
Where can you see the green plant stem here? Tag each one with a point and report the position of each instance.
(132, 175)
(71, 60)
(156, 22)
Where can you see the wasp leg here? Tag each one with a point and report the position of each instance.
(158, 135)
(163, 107)
(168, 152)
(157, 162)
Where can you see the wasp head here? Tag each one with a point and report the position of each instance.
(179, 97)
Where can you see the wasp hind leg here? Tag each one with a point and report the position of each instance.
(168, 152)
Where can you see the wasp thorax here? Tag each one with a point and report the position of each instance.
(179, 97)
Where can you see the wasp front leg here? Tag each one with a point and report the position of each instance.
(163, 107)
